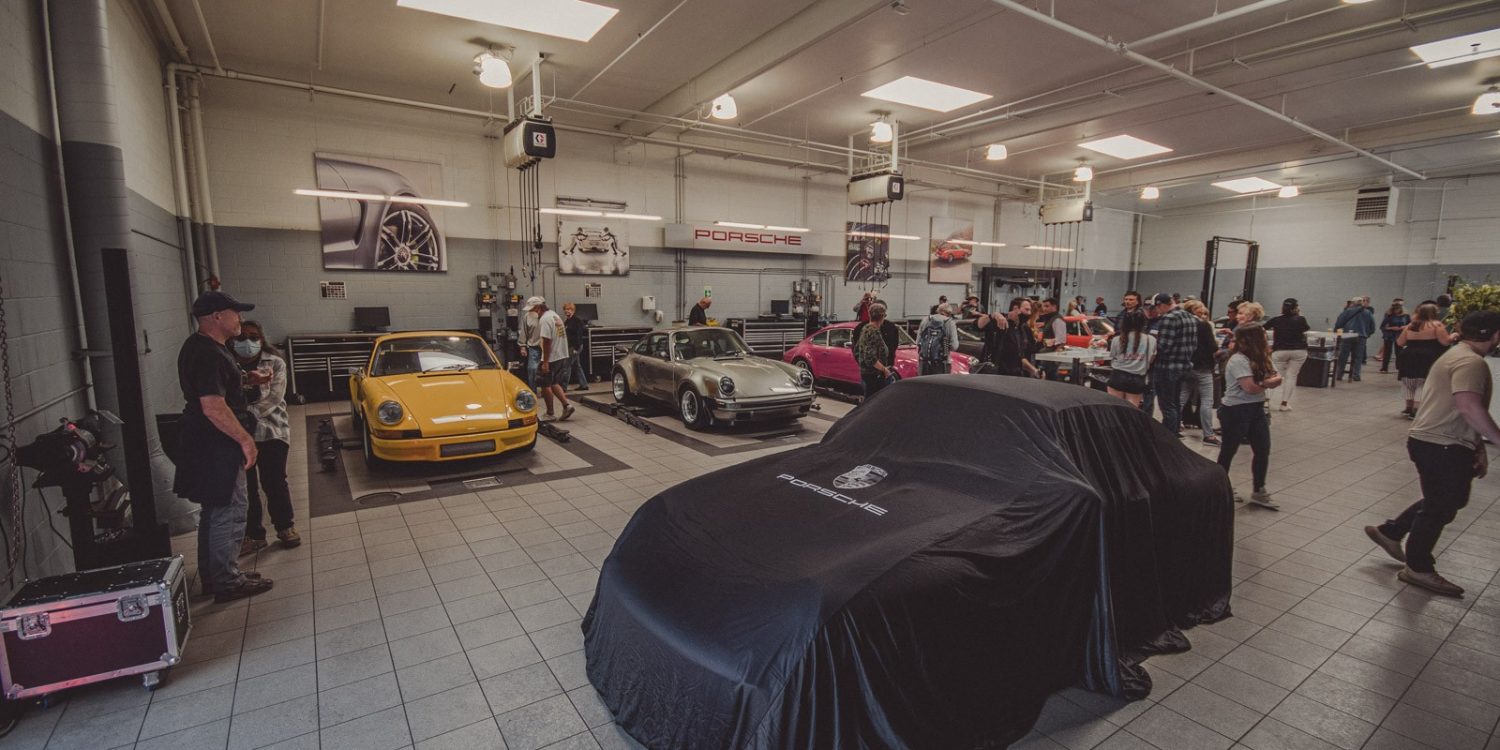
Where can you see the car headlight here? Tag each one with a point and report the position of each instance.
(973, 361)
(390, 413)
(525, 400)
(805, 378)
(726, 386)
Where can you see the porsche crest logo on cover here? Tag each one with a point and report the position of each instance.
(860, 477)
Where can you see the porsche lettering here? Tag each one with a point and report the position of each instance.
(839, 496)
(748, 238)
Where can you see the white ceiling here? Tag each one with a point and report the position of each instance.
(1345, 69)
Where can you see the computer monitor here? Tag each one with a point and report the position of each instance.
(781, 307)
(587, 312)
(372, 318)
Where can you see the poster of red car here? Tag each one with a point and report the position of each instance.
(950, 251)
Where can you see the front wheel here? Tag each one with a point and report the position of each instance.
(692, 409)
(804, 366)
(367, 444)
(620, 388)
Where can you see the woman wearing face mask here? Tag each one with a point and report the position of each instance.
(265, 391)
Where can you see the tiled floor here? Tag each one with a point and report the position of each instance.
(453, 623)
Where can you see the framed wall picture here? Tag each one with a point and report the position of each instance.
(592, 248)
(867, 252)
(950, 251)
(384, 229)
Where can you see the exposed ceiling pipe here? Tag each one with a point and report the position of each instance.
(1120, 49)
(322, 13)
(207, 38)
(164, 17)
(491, 116)
(962, 122)
(1210, 21)
(638, 39)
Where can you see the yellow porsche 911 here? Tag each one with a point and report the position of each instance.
(439, 396)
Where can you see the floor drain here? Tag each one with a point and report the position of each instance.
(378, 498)
(482, 484)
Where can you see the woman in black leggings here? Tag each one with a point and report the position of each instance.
(1247, 376)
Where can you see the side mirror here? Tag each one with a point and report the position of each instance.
(355, 372)
(847, 345)
(622, 350)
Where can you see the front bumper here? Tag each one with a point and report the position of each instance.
(760, 409)
(454, 447)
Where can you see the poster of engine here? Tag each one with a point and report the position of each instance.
(592, 249)
(387, 227)
(867, 252)
(950, 251)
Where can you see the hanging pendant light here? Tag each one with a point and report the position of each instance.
(724, 108)
(881, 131)
(1083, 173)
(1288, 191)
(996, 152)
(492, 70)
(1150, 193)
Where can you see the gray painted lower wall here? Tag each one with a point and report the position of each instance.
(1322, 291)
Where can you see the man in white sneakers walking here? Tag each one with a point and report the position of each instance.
(552, 371)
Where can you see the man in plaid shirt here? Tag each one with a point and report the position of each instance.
(1176, 339)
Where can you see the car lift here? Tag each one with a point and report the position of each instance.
(553, 431)
(627, 414)
(1211, 269)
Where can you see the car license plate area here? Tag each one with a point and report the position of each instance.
(466, 449)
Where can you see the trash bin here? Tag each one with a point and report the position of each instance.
(1317, 372)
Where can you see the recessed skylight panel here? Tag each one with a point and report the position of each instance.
(1248, 185)
(1125, 147)
(919, 92)
(568, 19)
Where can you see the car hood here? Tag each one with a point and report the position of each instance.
(751, 375)
(456, 402)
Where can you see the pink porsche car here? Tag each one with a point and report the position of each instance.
(829, 355)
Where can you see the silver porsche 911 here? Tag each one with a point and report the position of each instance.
(708, 374)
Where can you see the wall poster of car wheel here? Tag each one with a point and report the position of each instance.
(867, 252)
(592, 249)
(375, 232)
(950, 251)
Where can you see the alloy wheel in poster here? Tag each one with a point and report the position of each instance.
(593, 249)
(867, 252)
(375, 232)
(950, 251)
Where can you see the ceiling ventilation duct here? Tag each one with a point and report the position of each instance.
(1375, 206)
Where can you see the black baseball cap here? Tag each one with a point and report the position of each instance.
(1479, 325)
(1162, 299)
(211, 302)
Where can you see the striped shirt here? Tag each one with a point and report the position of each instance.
(271, 421)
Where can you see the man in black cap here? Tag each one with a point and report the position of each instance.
(216, 446)
(1176, 340)
(1446, 442)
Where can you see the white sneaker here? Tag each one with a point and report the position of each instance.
(1263, 499)
(1284, 406)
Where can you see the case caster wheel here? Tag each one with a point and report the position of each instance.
(151, 680)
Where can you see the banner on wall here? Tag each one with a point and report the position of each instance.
(867, 252)
(592, 249)
(374, 234)
(950, 251)
(740, 239)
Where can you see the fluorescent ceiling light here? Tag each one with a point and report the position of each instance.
(1488, 103)
(740, 225)
(1357, 2)
(881, 132)
(992, 244)
(1084, 173)
(1125, 147)
(1459, 49)
(996, 152)
(633, 217)
(347, 195)
(1247, 185)
(724, 108)
(569, 212)
(492, 70)
(775, 228)
(1149, 193)
(569, 19)
(1288, 191)
(1049, 247)
(884, 236)
(917, 92)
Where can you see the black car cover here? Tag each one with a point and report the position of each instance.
(950, 554)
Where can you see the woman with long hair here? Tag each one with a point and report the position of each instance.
(1390, 329)
(1201, 378)
(1288, 348)
(265, 391)
(1131, 351)
(1248, 374)
(1420, 344)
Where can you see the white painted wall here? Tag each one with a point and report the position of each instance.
(23, 83)
(141, 98)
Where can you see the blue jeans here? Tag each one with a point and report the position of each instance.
(1167, 385)
(221, 529)
(1203, 382)
(1354, 348)
(873, 382)
(575, 370)
(533, 363)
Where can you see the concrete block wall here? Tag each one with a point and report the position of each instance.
(1311, 249)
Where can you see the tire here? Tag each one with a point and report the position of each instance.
(691, 409)
(529, 447)
(619, 386)
(372, 461)
(803, 364)
(407, 241)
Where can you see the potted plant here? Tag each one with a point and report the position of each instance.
(1470, 296)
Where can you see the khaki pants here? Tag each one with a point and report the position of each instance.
(1288, 364)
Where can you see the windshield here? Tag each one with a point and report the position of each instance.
(905, 338)
(431, 354)
(709, 342)
(1100, 327)
(968, 331)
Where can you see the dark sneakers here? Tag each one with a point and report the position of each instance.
(288, 537)
(247, 587)
(251, 545)
(1391, 546)
(1431, 581)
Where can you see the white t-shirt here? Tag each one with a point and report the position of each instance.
(550, 326)
(1136, 361)
(1238, 367)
